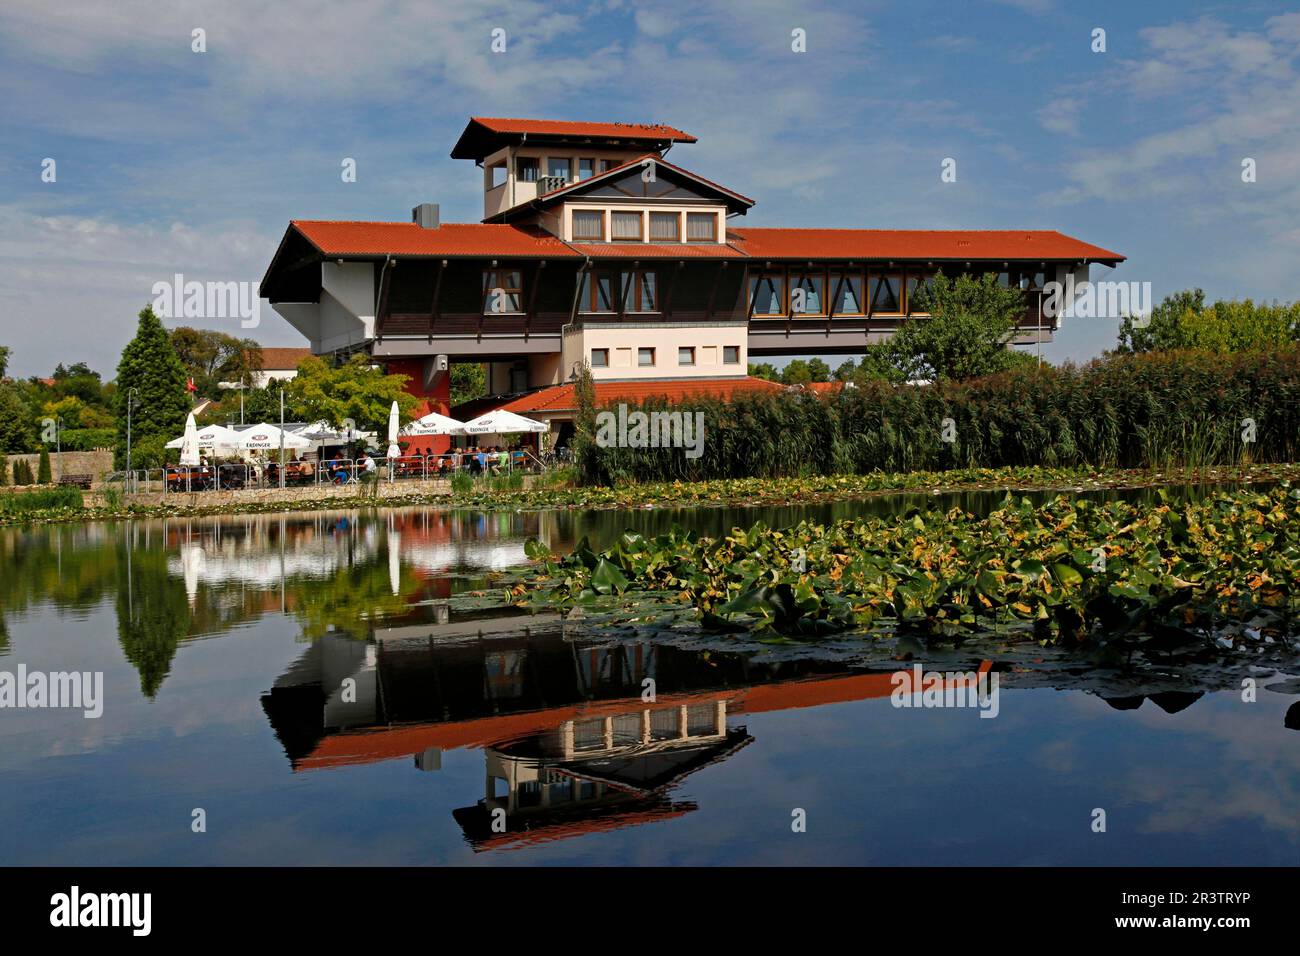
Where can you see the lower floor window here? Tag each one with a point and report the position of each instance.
(686, 355)
(731, 355)
(600, 358)
(645, 357)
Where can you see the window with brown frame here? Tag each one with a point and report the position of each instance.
(665, 227)
(645, 357)
(701, 227)
(731, 355)
(845, 293)
(807, 293)
(627, 226)
(686, 355)
(503, 291)
(767, 294)
(588, 225)
(600, 358)
(640, 291)
(885, 293)
(596, 292)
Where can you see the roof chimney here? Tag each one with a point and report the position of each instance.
(425, 215)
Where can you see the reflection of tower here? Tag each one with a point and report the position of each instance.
(597, 773)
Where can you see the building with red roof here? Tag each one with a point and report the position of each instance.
(594, 248)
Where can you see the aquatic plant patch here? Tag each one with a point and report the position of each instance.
(1225, 569)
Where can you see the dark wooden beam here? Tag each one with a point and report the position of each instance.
(434, 310)
(532, 296)
(713, 292)
(381, 309)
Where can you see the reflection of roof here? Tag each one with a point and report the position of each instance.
(475, 821)
(560, 398)
(367, 746)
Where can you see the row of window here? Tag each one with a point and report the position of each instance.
(813, 292)
(686, 356)
(571, 169)
(782, 292)
(594, 225)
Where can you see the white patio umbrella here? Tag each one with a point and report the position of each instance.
(502, 422)
(190, 442)
(267, 437)
(219, 438)
(394, 450)
(434, 424)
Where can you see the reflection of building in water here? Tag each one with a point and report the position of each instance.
(597, 773)
(570, 745)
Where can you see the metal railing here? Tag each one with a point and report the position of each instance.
(234, 476)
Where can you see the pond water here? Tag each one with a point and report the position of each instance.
(318, 688)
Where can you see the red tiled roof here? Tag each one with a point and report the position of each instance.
(486, 134)
(560, 398)
(656, 131)
(658, 250)
(1006, 244)
(343, 238)
(280, 359)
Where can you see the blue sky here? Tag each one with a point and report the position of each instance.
(173, 161)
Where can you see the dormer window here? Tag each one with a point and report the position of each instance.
(665, 227)
(627, 226)
(588, 225)
(701, 227)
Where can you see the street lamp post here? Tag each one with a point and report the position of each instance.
(130, 406)
(281, 436)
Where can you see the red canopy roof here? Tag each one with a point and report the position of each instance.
(343, 238)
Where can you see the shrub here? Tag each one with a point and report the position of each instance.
(4, 472)
(43, 474)
(12, 503)
(1154, 410)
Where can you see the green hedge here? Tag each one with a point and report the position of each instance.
(87, 439)
(1157, 410)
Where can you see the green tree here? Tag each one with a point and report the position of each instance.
(353, 391)
(4, 472)
(1184, 321)
(468, 381)
(964, 335)
(5, 353)
(17, 420)
(150, 366)
(43, 474)
(585, 452)
(764, 370)
(212, 357)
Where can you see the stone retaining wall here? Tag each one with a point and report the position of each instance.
(94, 463)
(345, 494)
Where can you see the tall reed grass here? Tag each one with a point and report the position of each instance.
(1154, 410)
